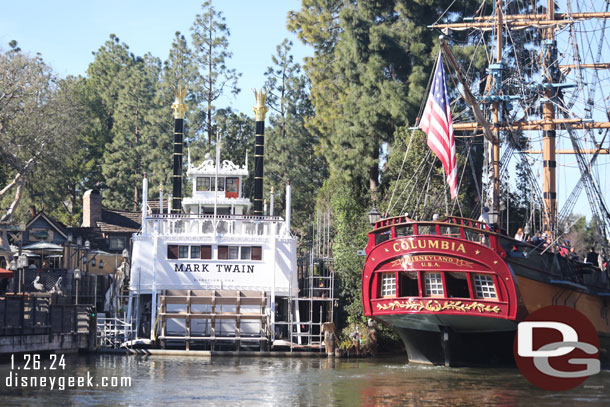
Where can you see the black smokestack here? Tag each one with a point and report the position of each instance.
(259, 151)
(179, 111)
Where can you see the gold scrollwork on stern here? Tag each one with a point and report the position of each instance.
(437, 306)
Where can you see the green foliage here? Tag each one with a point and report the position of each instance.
(38, 129)
(290, 147)
(350, 235)
(135, 133)
(210, 37)
(583, 234)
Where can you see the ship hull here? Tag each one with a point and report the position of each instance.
(455, 349)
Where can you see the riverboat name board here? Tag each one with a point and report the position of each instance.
(211, 268)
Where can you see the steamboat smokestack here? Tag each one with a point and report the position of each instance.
(260, 110)
(179, 111)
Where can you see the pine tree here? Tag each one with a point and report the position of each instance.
(210, 36)
(290, 147)
(124, 159)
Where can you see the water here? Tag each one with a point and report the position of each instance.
(248, 381)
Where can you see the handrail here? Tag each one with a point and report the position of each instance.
(404, 221)
(179, 216)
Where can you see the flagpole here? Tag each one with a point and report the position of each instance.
(437, 123)
(218, 137)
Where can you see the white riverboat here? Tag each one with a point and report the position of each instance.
(209, 271)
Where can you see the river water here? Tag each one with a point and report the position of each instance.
(252, 381)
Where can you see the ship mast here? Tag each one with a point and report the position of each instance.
(495, 209)
(549, 69)
(549, 123)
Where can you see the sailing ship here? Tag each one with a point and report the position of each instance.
(456, 288)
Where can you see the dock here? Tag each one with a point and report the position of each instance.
(36, 322)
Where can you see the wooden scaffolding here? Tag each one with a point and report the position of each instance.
(214, 318)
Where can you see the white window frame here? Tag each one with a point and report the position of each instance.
(484, 286)
(388, 284)
(433, 284)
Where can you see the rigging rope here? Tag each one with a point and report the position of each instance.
(390, 207)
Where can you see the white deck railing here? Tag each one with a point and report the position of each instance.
(236, 225)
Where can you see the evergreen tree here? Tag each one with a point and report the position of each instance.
(58, 185)
(125, 158)
(290, 147)
(107, 75)
(210, 36)
(371, 64)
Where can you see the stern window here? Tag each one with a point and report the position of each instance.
(457, 285)
(408, 284)
(434, 284)
(484, 286)
(388, 284)
(382, 237)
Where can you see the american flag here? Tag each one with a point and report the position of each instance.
(437, 124)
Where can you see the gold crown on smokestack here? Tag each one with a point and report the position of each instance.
(260, 110)
(179, 106)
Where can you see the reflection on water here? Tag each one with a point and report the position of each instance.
(246, 381)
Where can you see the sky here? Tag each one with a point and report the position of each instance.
(67, 32)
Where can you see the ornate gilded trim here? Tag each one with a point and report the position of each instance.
(406, 262)
(437, 306)
(260, 110)
(179, 106)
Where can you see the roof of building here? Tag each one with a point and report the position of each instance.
(115, 221)
(55, 224)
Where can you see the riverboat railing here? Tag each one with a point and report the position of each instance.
(235, 225)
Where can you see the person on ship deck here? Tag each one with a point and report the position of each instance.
(592, 257)
(537, 239)
(573, 254)
(519, 235)
(564, 249)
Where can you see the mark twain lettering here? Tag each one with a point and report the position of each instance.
(220, 268)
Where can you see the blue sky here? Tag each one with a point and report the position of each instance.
(66, 32)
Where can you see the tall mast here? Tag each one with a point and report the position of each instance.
(497, 84)
(549, 69)
(548, 123)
